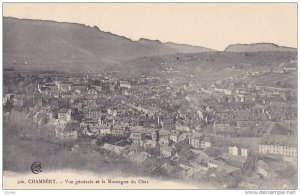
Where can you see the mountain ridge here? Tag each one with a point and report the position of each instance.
(79, 33)
(45, 44)
(257, 47)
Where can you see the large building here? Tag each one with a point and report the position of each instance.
(281, 145)
(92, 113)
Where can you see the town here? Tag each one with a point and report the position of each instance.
(231, 132)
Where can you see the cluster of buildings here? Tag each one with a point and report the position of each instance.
(179, 128)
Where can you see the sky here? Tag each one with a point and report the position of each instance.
(212, 25)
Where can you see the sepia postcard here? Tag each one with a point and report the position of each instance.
(150, 96)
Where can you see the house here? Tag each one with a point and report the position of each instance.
(195, 140)
(91, 122)
(219, 126)
(79, 87)
(151, 134)
(230, 170)
(168, 124)
(174, 136)
(265, 170)
(183, 137)
(236, 161)
(51, 86)
(137, 138)
(183, 150)
(234, 150)
(163, 142)
(228, 133)
(205, 142)
(181, 127)
(135, 148)
(212, 163)
(201, 157)
(89, 102)
(125, 92)
(113, 148)
(92, 91)
(44, 90)
(18, 103)
(238, 150)
(92, 113)
(118, 132)
(104, 129)
(95, 130)
(200, 114)
(111, 87)
(167, 151)
(167, 168)
(67, 131)
(125, 84)
(150, 144)
(64, 115)
(112, 112)
(65, 87)
(138, 157)
(164, 135)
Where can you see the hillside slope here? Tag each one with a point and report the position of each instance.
(41, 43)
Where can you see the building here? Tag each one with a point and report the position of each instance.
(118, 132)
(67, 131)
(125, 84)
(104, 129)
(89, 102)
(205, 142)
(238, 151)
(113, 148)
(92, 113)
(150, 144)
(174, 136)
(234, 160)
(64, 115)
(164, 135)
(168, 124)
(280, 145)
(137, 138)
(195, 140)
(265, 170)
(138, 157)
(79, 87)
(224, 130)
(167, 151)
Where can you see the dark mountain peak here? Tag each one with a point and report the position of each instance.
(96, 28)
(144, 40)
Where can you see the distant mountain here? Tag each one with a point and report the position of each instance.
(43, 43)
(179, 48)
(184, 48)
(257, 47)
